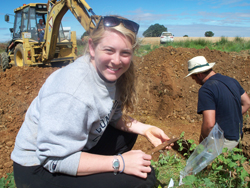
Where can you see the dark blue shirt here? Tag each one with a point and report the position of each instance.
(223, 94)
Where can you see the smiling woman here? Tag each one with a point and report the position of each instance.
(76, 131)
(112, 56)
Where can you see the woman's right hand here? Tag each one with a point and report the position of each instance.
(136, 163)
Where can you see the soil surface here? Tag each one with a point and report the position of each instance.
(166, 99)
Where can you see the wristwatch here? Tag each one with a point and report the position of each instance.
(116, 165)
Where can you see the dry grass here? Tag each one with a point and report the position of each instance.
(156, 40)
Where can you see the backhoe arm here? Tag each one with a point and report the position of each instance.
(56, 11)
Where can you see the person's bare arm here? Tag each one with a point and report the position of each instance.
(154, 134)
(245, 102)
(208, 123)
(92, 164)
(136, 163)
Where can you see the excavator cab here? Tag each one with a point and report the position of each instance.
(27, 19)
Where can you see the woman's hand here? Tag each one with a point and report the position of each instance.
(156, 136)
(136, 163)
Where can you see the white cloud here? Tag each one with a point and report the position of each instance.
(230, 24)
(198, 30)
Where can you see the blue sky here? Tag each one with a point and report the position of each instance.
(229, 18)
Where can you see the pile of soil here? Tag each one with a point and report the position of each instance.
(166, 99)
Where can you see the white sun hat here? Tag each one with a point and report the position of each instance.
(198, 64)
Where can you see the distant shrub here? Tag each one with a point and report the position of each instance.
(185, 36)
(223, 40)
(238, 39)
(209, 34)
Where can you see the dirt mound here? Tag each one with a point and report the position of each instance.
(166, 99)
(161, 79)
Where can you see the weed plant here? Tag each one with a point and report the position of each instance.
(8, 182)
(232, 46)
(145, 49)
(227, 170)
(168, 166)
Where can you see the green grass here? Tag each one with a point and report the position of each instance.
(231, 46)
(8, 182)
(168, 166)
(237, 45)
(145, 49)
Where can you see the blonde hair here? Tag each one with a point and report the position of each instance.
(126, 82)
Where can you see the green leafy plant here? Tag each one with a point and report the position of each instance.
(229, 166)
(168, 166)
(8, 182)
(186, 145)
(225, 171)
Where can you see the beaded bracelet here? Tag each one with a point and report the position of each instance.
(123, 163)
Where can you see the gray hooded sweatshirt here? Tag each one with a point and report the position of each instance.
(69, 115)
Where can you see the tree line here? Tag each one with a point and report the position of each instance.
(156, 30)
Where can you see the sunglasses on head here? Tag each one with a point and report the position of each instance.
(111, 21)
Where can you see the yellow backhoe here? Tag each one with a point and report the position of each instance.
(35, 43)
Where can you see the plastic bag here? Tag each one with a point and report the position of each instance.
(205, 152)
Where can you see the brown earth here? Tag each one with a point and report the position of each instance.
(166, 99)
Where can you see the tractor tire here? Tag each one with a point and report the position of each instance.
(4, 61)
(19, 56)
